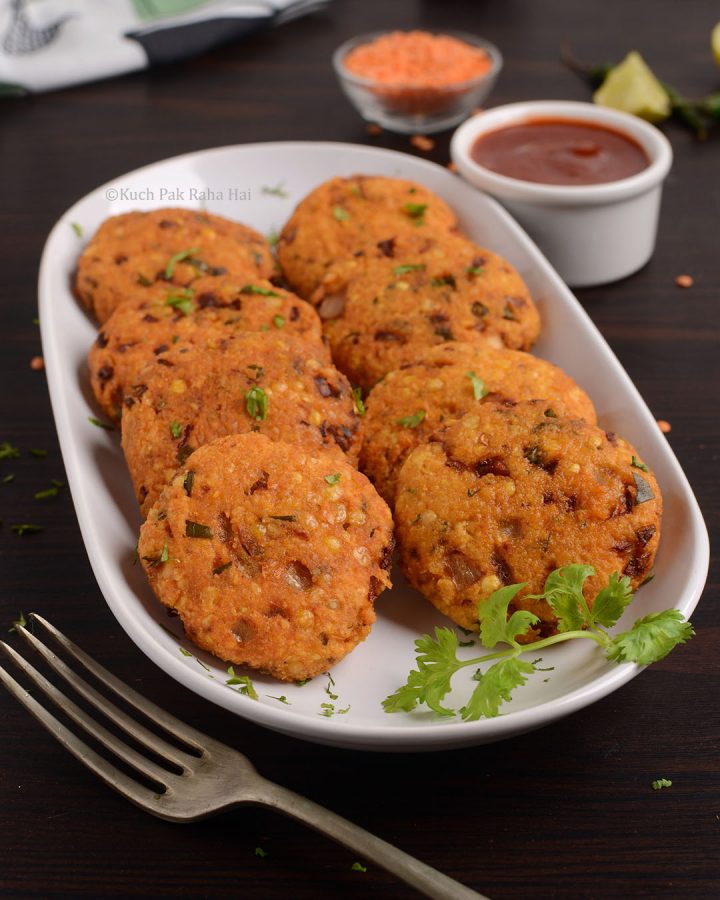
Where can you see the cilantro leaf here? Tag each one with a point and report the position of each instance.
(358, 401)
(478, 385)
(651, 638)
(563, 591)
(340, 214)
(410, 267)
(7, 451)
(178, 257)
(495, 687)
(256, 403)
(495, 627)
(612, 600)
(243, 682)
(181, 300)
(437, 662)
(411, 421)
(415, 210)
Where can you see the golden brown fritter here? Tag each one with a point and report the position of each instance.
(447, 382)
(134, 251)
(347, 218)
(256, 381)
(394, 309)
(509, 493)
(212, 308)
(271, 557)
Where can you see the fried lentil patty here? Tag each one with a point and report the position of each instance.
(146, 327)
(392, 310)
(447, 382)
(507, 494)
(136, 250)
(256, 381)
(271, 557)
(346, 218)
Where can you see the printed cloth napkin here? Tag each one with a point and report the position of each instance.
(49, 44)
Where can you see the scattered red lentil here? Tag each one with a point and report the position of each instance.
(664, 426)
(37, 363)
(420, 142)
(684, 281)
(417, 59)
(374, 129)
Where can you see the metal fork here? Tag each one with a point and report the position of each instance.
(211, 777)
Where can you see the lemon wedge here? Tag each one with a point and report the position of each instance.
(715, 42)
(632, 88)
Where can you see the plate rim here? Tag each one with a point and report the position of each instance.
(343, 733)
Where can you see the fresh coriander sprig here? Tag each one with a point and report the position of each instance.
(650, 639)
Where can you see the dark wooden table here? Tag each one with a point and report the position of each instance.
(565, 812)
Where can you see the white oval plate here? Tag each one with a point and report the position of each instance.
(235, 182)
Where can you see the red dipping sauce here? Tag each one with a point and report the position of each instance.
(560, 151)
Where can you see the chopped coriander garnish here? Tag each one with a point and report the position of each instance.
(218, 570)
(415, 210)
(478, 385)
(179, 257)
(284, 518)
(410, 267)
(278, 321)
(509, 313)
(20, 622)
(245, 685)
(303, 682)
(333, 479)
(273, 238)
(650, 639)
(98, 423)
(446, 280)
(164, 553)
(21, 530)
(661, 783)
(256, 403)
(196, 530)
(474, 270)
(358, 401)
(6, 479)
(47, 494)
(181, 300)
(635, 463)
(282, 698)
(277, 191)
(7, 451)
(260, 852)
(411, 421)
(184, 651)
(466, 643)
(176, 429)
(646, 580)
(38, 454)
(144, 280)
(77, 229)
(188, 482)
(255, 289)
(340, 214)
(644, 491)
(358, 867)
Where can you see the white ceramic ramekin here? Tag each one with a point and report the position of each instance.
(592, 234)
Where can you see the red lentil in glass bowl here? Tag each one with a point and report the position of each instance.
(417, 82)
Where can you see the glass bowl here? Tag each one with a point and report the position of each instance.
(416, 109)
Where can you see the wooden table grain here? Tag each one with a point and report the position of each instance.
(564, 812)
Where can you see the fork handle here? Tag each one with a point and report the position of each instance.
(424, 878)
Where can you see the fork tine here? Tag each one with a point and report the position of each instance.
(134, 759)
(112, 776)
(190, 736)
(122, 720)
